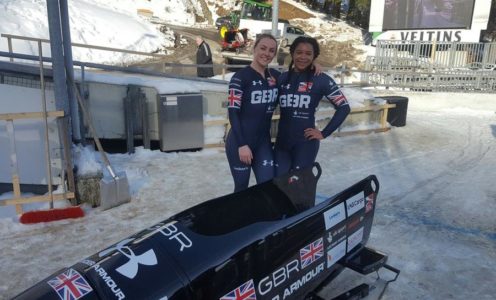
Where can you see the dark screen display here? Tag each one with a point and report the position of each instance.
(427, 14)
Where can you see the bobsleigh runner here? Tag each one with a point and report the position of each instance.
(270, 241)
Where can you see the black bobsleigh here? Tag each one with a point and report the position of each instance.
(269, 241)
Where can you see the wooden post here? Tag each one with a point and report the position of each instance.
(341, 75)
(9, 42)
(384, 116)
(68, 159)
(13, 164)
(45, 119)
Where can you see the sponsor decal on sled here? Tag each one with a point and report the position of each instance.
(336, 253)
(281, 275)
(246, 291)
(311, 253)
(338, 231)
(334, 215)
(293, 287)
(70, 285)
(369, 203)
(293, 271)
(300, 282)
(354, 204)
(336, 236)
(109, 281)
(357, 220)
(355, 239)
(130, 268)
(172, 232)
(87, 262)
(333, 244)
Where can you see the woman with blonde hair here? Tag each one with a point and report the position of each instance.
(252, 99)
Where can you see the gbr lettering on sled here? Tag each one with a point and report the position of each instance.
(315, 260)
(227, 248)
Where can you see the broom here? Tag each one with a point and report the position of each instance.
(53, 214)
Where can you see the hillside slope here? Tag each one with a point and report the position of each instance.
(340, 42)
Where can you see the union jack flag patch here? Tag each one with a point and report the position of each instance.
(70, 285)
(305, 86)
(246, 291)
(234, 98)
(337, 98)
(311, 253)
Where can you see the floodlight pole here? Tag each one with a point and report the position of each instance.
(69, 69)
(57, 53)
(60, 48)
(275, 17)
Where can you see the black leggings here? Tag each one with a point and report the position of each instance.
(262, 163)
(298, 156)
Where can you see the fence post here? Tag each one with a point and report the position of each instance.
(16, 187)
(341, 74)
(9, 42)
(45, 119)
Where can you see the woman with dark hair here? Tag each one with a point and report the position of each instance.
(252, 98)
(300, 91)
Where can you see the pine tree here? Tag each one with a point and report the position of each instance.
(359, 13)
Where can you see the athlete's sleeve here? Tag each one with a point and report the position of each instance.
(234, 96)
(334, 94)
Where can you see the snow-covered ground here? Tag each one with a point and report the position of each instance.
(437, 204)
(435, 215)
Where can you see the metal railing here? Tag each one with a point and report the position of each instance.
(429, 66)
(163, 66)
(160, 68)
(442, 81)
(433, 66)
(435, 55)
(11, 37)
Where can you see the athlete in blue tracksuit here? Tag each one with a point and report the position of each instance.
(252, 98)
(300, 92)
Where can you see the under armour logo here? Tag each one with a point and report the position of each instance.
(255, 82)
(287, 86)
(130, 269)
(268, 163)
(295, 113)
